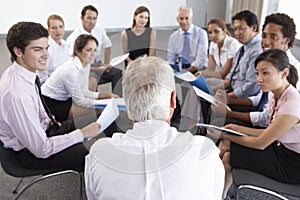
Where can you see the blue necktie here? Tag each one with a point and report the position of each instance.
(185, 49)
(241, 53)
(263, 100)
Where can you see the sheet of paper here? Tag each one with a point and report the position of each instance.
(108, 115)
(208, 97)
(117, 60)
(186, 76)
(223, 130)
(118, 101)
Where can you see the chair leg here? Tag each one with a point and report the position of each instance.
(17, 187)
(81, 185)
(28, 185)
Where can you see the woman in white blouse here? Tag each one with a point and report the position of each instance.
(66, 91)
(58, 50)
(222, 49)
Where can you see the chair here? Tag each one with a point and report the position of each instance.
(12, 167)
(250, 185)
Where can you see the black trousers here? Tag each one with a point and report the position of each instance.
(275, 161)
(72, 157)
(60, 109)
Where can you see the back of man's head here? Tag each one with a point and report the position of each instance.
(21, 34)
(147, 86)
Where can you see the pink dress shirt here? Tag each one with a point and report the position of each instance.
(23, 120)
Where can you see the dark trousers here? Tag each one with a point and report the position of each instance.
(60, 109)
(72, 157)
(114, 76)
(275, 161)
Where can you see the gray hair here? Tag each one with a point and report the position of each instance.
(147, 86)
(185, 7)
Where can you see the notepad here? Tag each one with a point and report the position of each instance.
(223, 130)
(199, 81)
(117, 60)
(108, 115)
(101, 103)
(208, 97)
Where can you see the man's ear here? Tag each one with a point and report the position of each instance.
(254, 28)
(18, 51)
(173, 100)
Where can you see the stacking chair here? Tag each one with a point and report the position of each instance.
(250, 185)
(12, 167)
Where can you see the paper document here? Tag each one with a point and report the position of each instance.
(199, 82)
(108, 115)
(117, 60)
(101, 103)
(208, 97)
(223, 130)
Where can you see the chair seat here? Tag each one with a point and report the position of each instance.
(12, 167)
(245, 177)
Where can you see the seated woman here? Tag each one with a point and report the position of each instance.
(222, 50)
(140, 39)
(70, 81)
(58, 50)
(275, 150)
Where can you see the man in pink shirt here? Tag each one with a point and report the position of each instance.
(23, 118)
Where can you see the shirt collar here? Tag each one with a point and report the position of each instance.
(24, 73)
(226, 43)
(78, 64)
(147, 129)
(51, 42)
(190, 30)
(252, 41)
(282, 98)
(83, 31)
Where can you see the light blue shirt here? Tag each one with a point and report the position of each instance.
(243, 76)
(198, 46)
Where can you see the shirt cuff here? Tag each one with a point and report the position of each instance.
(78, 136)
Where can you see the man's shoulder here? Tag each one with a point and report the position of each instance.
(73, 35)
(175, 33)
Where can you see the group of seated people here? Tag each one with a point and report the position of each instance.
(48, 93)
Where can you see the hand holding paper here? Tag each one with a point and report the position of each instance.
(109, 114)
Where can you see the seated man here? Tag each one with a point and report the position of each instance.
(278, 32)
(153, 160)
(89, 16)
(24, 118)
(188, 45)
(240, 82)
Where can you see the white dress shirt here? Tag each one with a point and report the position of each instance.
(198, 46)
(71, 80)
(23, 120)
(154, 161)
(259, 118)
(58, 54)
(229, 50)
(98, 32)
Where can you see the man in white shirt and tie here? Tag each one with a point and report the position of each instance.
(189, 44)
